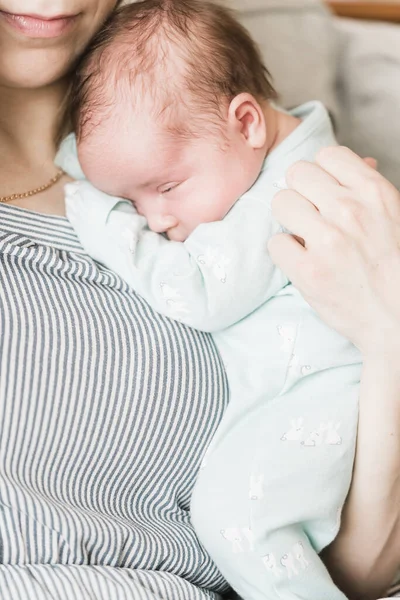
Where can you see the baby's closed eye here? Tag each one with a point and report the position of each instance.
(168, 187)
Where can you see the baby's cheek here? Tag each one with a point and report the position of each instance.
(204, 210)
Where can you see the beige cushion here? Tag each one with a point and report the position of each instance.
(298, 42)
(369, 86)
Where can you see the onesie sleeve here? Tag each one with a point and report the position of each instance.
(219, 275)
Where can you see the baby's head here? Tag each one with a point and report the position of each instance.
(169, 112)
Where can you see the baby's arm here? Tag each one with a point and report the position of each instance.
(220, 274)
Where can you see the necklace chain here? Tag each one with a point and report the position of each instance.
(30, 193)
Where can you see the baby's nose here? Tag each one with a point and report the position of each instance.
(161, 223)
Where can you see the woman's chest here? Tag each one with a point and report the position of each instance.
(98, 395)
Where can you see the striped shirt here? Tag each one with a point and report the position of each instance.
(106, 409)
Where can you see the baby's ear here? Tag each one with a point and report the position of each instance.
(246, 116)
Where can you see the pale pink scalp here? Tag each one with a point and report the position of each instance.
(184, 58)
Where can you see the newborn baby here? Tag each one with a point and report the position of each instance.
(176, 126)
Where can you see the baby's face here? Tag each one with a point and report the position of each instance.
(176, 184)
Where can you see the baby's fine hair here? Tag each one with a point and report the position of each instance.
(186, 56)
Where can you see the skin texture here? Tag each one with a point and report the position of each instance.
(48, 59)
(33, 86)
(188, 181)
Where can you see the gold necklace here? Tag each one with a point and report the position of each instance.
(42, 188)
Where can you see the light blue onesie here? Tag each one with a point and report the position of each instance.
(274, 480)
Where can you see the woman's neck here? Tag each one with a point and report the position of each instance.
(28, 123)
(29, 120)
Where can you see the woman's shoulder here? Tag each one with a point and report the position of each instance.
(67, 158)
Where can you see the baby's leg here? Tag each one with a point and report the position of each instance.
(270, 496)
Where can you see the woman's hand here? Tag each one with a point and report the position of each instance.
(346, 262)
(349, 267)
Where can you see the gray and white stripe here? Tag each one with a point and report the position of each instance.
(106, 410)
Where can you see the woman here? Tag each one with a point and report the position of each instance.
(105, 416)
(106, 408)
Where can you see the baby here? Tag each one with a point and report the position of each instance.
(175, 125)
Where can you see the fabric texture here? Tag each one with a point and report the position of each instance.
(369, 92)
(106, 410)
(277, 472)
(208, 282)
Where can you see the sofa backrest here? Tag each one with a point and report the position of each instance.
(297, 39)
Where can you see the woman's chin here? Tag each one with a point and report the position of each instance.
(32, 69)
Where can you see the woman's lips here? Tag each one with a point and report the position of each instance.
(39, 27)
